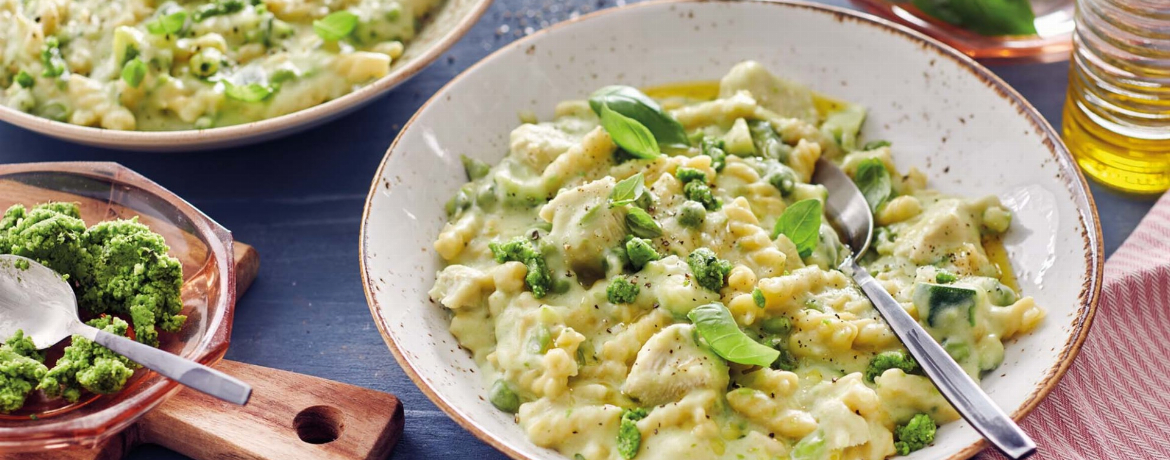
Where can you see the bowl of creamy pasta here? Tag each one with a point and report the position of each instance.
(638, 267)
(166, 76)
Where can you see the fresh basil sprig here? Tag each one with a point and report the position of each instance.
(629, 134)
(801, 223)
(984, 17)
(873, 179)
(718, 328)
(641, 224)
(632, 103)
(336, 26)
(628, 190)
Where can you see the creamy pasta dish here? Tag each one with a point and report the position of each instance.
(157, 65)
(650, 275)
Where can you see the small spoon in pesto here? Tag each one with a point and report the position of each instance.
(850, 215)
(35, 299)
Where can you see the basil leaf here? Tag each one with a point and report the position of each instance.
(801, 223)
(985, 17)
(873, 179)
(168, 24)
(874, 145)
(641, 224)
(133, 72)
(336, 26)
(628, 191)
(718, 328)
(629, 134)
(632, 103)
(251, 92)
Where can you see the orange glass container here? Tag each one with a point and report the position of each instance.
(1052, 43)
(107, 191)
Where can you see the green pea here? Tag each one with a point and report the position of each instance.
(1001, 295)
(503, 397)
(692, 214)
(206, 62)
(777, 325)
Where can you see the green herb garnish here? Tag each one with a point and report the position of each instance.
(133, 72)
(873, 179)
(632, 103)
(718, 328)
(628, 190)
(336, 26)
(629, 134)
(168, 24)
(641, 224)
(251, 92)
(801, 223)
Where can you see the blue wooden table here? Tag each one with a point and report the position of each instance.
(298, 200)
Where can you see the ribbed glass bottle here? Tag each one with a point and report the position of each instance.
(1117, 114)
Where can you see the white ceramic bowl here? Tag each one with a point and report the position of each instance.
(446, 25)
(969, 131)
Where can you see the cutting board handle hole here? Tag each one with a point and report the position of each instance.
(319, 424)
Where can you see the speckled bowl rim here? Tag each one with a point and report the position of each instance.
(1074, 180)
(257, 131)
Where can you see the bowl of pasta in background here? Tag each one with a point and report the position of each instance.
(443, 26)
(968, 131)
(104, 192)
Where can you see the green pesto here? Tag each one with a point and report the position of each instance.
(50, 233)
(686, 175)
(21, 368)
(890, 360)
(915, 434)
(640, 252)
(89, 366)
(520, 249)
(131, 274)
(629, 437)
(701, 192)
(709, 269)
(621, 290)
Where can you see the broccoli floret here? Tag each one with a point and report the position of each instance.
(915, 434)
(621, 290)
(629, 437)
(686, 175)
(713, 147)
(639, 251)
(520, 249)
(701, 192)
(692, 214)
(89, 366)
(21, 369)
(890, 360)
(132, 274)
(709, 270)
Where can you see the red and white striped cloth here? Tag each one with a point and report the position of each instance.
(1114, 402)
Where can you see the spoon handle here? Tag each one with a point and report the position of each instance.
(951, 380)
(184, 371)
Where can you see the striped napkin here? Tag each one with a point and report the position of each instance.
(1114, 402)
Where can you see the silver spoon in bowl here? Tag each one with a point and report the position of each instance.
(851, 217)
(38, 301)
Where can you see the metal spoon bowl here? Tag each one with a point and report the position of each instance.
(36, 300)
(850, 216)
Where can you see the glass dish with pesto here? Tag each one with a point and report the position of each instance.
(651, 275)
(126, 284)
(197, 64)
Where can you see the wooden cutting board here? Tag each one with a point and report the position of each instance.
(290, 416)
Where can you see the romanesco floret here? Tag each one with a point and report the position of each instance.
(686, 175)
(709, 269)
(87, 365)
(21, 369)
(713, 147)
(915, 434)
(520, 249)
(890, 360)
(692, 214)
(621, 290)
